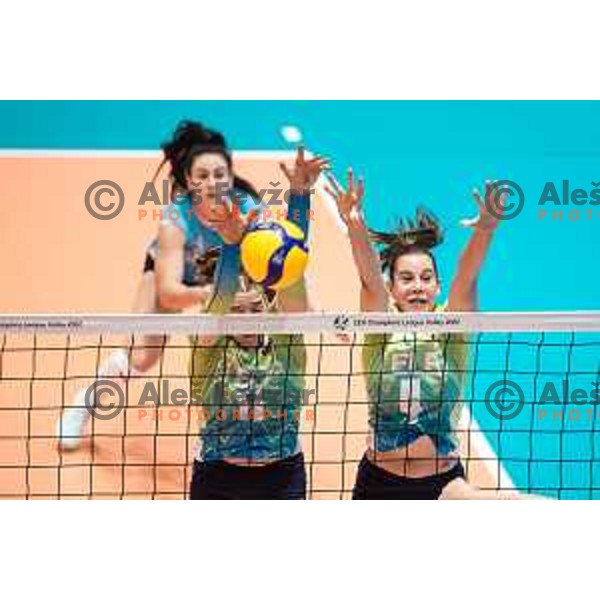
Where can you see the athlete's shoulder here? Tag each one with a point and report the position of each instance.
(178, 213)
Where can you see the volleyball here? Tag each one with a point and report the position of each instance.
(274, 254)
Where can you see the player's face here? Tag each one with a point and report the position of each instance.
(248, 303)
(415, 284)
(209, 177)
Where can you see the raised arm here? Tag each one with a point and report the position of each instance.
(373, 294)
(302, 177)
(463, 291)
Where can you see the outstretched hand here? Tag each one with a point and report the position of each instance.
(227, 220)
(486, 219)
(348, 201)
(304, 174)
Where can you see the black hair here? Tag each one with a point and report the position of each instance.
(411, 237)
(190, 140)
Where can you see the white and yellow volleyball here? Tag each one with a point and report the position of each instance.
(274, 254)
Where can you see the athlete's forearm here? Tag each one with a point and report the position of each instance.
(226, 280)
(471, 260)
(179, 296)
(365, 257)
(299, 211)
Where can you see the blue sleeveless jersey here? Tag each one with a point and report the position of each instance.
(199, 239)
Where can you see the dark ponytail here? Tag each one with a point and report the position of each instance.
(418, 236)
(191, 139)
(245, 186)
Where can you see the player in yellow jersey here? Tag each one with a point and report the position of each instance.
(253, 385)
(414, 381)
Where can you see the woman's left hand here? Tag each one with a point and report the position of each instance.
(486, 220)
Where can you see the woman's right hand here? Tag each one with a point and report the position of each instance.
(227, 220)
(348, 201)
(304, 174)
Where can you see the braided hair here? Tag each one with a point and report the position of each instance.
(420, 235)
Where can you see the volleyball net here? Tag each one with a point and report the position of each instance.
(527, 397)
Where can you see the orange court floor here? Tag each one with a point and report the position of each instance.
(56, 258)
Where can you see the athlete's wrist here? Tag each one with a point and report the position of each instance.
(301, 194)
(486, 228)
(356, 223)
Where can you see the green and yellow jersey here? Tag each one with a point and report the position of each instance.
(253, 396)
(415, 382)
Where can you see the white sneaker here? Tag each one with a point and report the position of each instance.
(70, 428)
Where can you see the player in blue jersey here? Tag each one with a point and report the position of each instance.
(180, 263)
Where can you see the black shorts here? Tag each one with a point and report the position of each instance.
(219, 480)
(374, 483)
